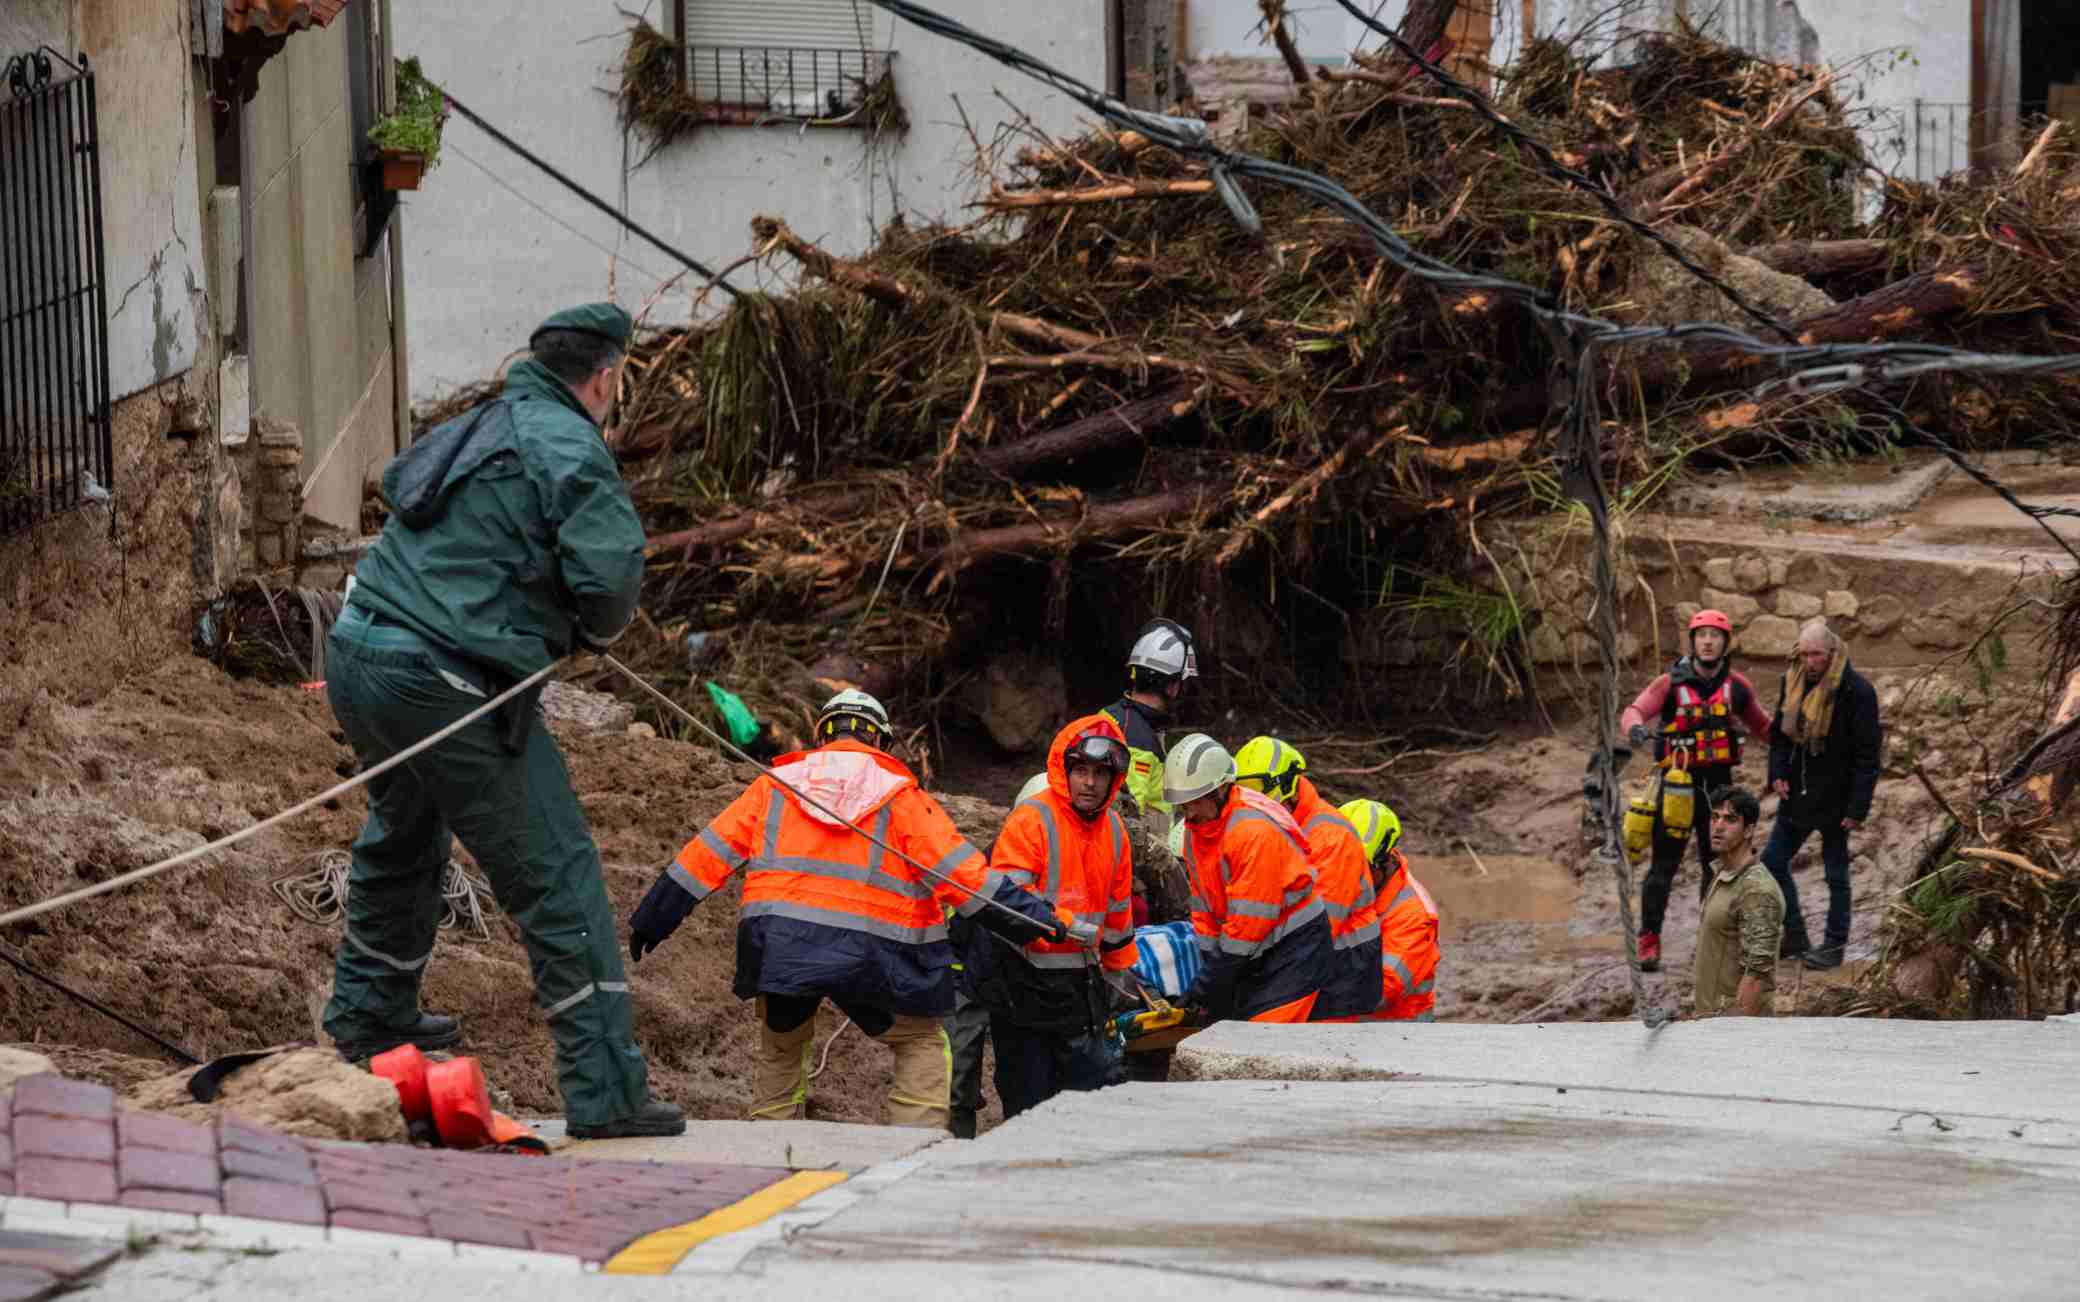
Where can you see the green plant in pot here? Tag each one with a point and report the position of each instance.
(408, 140)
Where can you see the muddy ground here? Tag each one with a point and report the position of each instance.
(119, 773)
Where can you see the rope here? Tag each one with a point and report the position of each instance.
(149, 871)
(824, 1061)
(101, 1008)
(318, 895)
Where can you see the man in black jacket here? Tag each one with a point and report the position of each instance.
(1823, 763)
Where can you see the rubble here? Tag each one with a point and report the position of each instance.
(310, 1093)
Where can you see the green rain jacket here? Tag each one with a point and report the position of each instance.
(510, 542)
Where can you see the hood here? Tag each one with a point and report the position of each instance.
(1058, 768)
(1264, 804)
(1207, 836)
(847, 777)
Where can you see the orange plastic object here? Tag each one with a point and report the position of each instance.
(462, 1110)
(405, 1067)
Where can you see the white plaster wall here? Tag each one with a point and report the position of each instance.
(1321, 28)
(151, 220)
(483, 267)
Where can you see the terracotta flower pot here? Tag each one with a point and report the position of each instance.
(401, 171)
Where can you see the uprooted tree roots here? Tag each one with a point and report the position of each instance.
(1102, 396)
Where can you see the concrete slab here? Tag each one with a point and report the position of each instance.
(1864, 490)
(796, 1145)
(2021, 1071)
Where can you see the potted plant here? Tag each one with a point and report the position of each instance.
(408, 140)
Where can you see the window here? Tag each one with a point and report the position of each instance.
(764, 60)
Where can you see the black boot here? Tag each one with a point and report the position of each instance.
(1825, 957)
(1794, 944)
(962, 1123)
(431, 1031)
(655, 1118)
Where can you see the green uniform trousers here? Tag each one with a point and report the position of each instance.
(518, 815)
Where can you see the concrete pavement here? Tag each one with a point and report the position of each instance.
(1792, 1158)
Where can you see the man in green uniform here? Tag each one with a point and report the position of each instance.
(511, 543)
(1743, 917)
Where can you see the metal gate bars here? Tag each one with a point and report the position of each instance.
(55, 451)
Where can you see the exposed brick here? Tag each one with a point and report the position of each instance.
(475, 1227)
(379, 1223)
(278, 508)
(272, 1201)
(62, 1179)
(283, 458)
(261, 1166)
(394, 1197)
(88, 1141)
(6, 1153)
(151, 1168)
(249, 1138)
(165, 1200)
(57, 1096)
(168, 1134)
(588, 1246)
(281, 438)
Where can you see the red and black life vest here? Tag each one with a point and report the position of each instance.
(1698, 716)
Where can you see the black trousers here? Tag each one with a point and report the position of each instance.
(1668, 852)
(967, 1031)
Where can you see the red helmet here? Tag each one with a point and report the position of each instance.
(1712, 619)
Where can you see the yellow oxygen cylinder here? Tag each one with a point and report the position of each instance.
(1639, 819)
(1678, 800)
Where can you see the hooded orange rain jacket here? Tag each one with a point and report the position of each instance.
(1343, 879)
(1082, 866)
(828, 912)
(1408, 946)
(1263, 934)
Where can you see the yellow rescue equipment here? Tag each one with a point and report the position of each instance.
(1666, 800)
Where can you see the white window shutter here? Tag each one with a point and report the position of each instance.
(807, 24)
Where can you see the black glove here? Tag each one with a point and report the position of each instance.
(1197, 1015)
(1639, 736)
(658, 916)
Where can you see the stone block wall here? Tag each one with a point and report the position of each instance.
(271, 476)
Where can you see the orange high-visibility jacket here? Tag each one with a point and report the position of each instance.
(825, 910)
(1408, 946)
(1083, 866)
(1262, 932)
(1343, 879)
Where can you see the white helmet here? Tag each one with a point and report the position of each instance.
(852, 711)
(1164, 648)
(1197, 766)
(1033, 787)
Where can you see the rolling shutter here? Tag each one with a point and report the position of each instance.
(763, 51)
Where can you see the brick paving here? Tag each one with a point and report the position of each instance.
(65, 1140)
(34, 1266)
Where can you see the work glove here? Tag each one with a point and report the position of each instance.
(658, 916)
(1639, 736)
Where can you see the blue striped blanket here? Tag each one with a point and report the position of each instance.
(1166, 958)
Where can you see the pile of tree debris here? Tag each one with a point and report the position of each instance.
(1990, 927)
(1102, 398)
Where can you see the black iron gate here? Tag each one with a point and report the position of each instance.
(55, 452)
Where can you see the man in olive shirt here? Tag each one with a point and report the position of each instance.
(1743, 917)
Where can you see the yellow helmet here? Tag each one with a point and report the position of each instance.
(1271, 766)
(1377, 825)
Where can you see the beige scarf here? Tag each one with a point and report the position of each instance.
(1809, 714)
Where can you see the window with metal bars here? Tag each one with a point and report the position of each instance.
(54, 406)
(808, 61)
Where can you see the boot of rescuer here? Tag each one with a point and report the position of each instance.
(656, 1117)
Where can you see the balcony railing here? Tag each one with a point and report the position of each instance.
(766, 83)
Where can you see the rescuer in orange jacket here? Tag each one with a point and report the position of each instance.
(1407, 919)
(1342, 875)
(1262, 931)
(1049, 1010)
(828, 914)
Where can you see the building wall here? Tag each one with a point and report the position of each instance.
(319, 336)
(157, 292)
(484, 266)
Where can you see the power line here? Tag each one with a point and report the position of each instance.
(509, 188)
(686, 260)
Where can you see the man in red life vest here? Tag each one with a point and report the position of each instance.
(1696, 705)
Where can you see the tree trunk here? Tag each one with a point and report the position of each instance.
(1105, 520)
(1121, 425)
(1813, 258)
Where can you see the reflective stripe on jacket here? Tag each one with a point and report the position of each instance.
(1343, 879)
(826, 911)
(1082, 866)
(1260, 926)
(1408, 946)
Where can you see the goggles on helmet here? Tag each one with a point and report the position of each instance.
(1096, 748)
